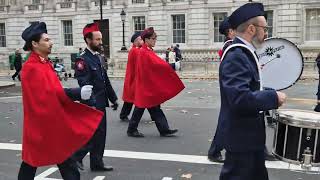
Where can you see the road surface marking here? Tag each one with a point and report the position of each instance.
(193, 159)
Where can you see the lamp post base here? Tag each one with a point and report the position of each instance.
(123, 48)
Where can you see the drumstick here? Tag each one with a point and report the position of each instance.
(278, 56)
(303, 100)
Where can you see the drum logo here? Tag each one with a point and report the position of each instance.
(270, 51)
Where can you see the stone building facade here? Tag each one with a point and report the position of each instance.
(193, 24)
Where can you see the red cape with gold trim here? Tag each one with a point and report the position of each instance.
(156, 81)
(129, 82)
(54, 126)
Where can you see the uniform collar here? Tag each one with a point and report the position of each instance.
(93, 52)
(247, 43)
(40, 58)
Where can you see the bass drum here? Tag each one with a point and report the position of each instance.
(281, 63)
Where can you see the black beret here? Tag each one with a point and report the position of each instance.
(244, 13)
(224, 25)
(34, 29)
(135, 35)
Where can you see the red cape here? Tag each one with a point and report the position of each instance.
(129, 83)
(156, 81)
(54, 126)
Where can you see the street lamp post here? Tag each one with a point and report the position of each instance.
(101, 17)
(123, 18)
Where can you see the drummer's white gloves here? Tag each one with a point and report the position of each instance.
(281, 98)
(177, 65)
(86, 92)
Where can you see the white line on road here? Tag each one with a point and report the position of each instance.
(43, 176)
(99, 178)
(11, 97)
(166, 178)
(194, 159)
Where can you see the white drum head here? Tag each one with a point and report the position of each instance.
(300, 118)
(282, 63)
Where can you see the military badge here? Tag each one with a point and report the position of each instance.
(80, 65)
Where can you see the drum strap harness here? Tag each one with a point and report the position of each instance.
(253, 55)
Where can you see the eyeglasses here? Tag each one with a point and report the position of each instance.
(265, 28)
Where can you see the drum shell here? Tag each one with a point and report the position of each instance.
(293, 137)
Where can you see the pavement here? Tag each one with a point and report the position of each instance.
(194, 112)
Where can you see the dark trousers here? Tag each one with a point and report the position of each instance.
(244, 166)
(68, 171)
(126, 109)
(17, 73)
(95, 145)
(156, 114)
(216, 146)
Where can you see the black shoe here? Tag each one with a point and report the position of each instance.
(218, 158)
(135, 134)
(13, 78)
(169, 133)
(317, 108)
(80, 165)
(126, 119)
(101, 168)
(270, 157)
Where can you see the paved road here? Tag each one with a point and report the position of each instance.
(194, 112)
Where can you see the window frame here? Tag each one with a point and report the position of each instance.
(64, 34)
(3, 35)
(184, 29)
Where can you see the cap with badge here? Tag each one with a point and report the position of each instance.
(92, 27)
(244, 13)
(33, 30)
(135, 36)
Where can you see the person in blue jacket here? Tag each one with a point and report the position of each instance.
(243, 99)
(90, 69)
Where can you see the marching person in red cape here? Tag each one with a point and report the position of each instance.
(54, 126)
(128, 87)
(156, 82)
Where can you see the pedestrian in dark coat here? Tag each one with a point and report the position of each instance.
(243, 99)
(17, 64)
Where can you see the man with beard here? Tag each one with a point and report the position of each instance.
(156, 82)
(89, 70)
(54, 126)
(129, 81)
(243, 99)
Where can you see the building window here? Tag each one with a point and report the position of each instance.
(35, 1)
(269, 18)
(2, 2)
(217, 19)
(139, 23)
(67, 33)
(176, 0)
(137, 1)
(313, 25)
(2, 35)
(97, 2)
(179, 28)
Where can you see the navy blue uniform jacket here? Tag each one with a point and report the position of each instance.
(92, 73)
(242, 126)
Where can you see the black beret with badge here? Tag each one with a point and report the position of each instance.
(244, 13)
(135, 36)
